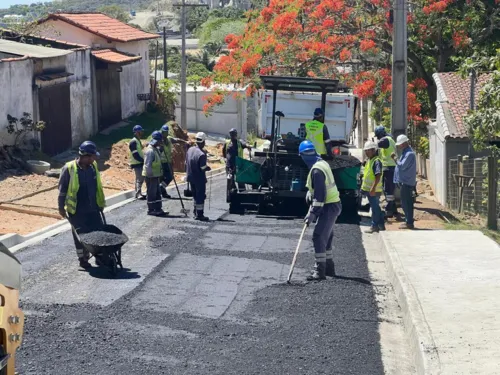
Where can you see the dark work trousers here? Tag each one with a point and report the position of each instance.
(167, 173)
(153, 194)
(85, 223)
(139, 180)
(323, 232)
(199, 190)
(407, 202)
(389, 187)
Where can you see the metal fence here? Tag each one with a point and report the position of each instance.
(468, 186)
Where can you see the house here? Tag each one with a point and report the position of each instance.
(448, 135)
(120, 67)
(52, 85)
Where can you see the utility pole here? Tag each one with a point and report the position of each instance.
(165, 67)
(183, 5)
(399, 69)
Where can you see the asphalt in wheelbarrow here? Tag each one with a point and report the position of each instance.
(104, 238)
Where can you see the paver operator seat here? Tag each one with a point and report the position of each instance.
(11, 317)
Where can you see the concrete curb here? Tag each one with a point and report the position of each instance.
(419, 336)
(15, 242)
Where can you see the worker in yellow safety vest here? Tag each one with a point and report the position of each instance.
(153, 172)
(136, 160)
(166, 157)
(81, 196)
(387, 147)
(324, 198)
(317, 133)
(372, 186)
(234, 148)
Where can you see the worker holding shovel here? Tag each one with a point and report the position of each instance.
(81, 196)
(324, 198)
(196, 168)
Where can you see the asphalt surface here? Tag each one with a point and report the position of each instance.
(200, 298)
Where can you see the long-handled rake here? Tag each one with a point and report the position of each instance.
(295, 254)
(183, 209)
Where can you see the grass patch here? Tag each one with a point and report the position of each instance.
(149, 121)
(460, 225)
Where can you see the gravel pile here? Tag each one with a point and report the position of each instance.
(100, 238)
(344, 161)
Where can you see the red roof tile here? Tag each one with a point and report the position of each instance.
(114, 57)
(457, 94)
(102, 25)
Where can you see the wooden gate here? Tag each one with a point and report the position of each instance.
(54, 105)
(109, 101)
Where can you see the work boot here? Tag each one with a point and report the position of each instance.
(84, 263)
(330, 268)
(200, 216)
(159, 213)
(372, 230)
(318, 273)
(406, 226)
(381, 228)
(164, 193)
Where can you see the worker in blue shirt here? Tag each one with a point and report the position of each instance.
(233, 148)
(136, 160)
(324, 198)
(196, 168)
(387, 147)
(405, 176)
(371, 186)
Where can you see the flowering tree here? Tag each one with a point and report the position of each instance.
(351, 40)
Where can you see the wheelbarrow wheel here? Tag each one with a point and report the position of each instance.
(114, 264)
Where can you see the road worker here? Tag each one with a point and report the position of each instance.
(317, 133)
(387, 147)
(371, 186)
(81, 196)
(406, 176)
(196, 168)
(324, 198)
(234, 148)
(166, 158)
(136, 160)
(153, 173)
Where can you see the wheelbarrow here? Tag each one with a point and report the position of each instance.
(108, 256)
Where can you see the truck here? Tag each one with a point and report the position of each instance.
(11, 316)
(276, 176)
(298, 108)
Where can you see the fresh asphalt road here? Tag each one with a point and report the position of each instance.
(202, 298)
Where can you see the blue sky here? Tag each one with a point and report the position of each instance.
(7, 3)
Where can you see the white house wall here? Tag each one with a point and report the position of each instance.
(16, 94)
(438, 165)
(82, 124)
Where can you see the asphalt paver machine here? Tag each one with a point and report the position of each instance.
(11, 316)
(277, 176)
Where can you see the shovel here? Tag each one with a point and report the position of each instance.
(183, 209)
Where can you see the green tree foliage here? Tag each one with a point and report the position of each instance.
(215, 30)
(115, 11)
(484, 122)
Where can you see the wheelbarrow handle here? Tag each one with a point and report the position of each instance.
(103, 217)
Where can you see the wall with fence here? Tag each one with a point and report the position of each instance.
(473, 187)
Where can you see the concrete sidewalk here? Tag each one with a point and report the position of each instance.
(448, 286)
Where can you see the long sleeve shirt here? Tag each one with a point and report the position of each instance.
(231, 152)
(196, 166)
(149, 158)
(133, 149)
(319, 186)
(406, 168)
(87, 192)
(327, 140)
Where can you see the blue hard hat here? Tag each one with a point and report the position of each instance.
(138, 128)
(318, 112)
(380, 131)
(232, 131)
(306, 147)
(157, 135)
(164, 128)
(88, 148)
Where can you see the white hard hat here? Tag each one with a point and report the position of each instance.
(369, 145)
(401, 139)
(201, 137)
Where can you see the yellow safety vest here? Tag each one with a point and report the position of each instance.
(131, 158)
(314, 133)
(166, 155)
(385, 153)
(156, 165)
(369, 177)
(332, 193)
(74, 186)
(240, 147)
